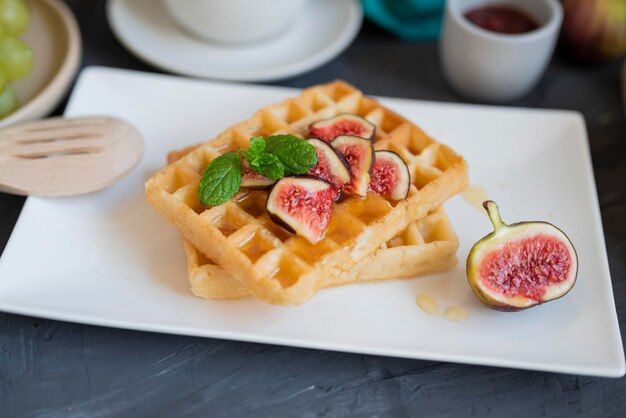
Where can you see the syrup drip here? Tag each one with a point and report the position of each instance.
(456, 313)
(428, 304)
(475, 196)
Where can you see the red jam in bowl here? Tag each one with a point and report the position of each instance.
(502, 19)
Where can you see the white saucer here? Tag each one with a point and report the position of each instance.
(323, 30)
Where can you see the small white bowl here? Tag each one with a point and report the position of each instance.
(494, 67)
(54, 38)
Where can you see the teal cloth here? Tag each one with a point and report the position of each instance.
(412, 20)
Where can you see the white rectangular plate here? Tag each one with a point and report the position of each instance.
(107, 258)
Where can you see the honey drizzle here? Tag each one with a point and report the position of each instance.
(456, 313)
(428, 304)
(475, 196)
(254, 246)
(368, 209)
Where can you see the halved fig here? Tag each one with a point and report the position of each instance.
(344, 124)
(252, 180)
(303, 206)
(521, 265)
(330, 166)
(359, 154)
(390, 176)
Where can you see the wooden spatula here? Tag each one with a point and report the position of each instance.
(62, 157)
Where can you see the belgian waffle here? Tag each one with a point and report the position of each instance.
(281, 268)
(426, 246)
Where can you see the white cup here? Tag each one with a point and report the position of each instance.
(495, 67)
(233, 21)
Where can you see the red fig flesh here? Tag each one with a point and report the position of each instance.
(303, 206)
(521, 265)
(344, 124)
(390, 176)
(330, 166)
(359, 154)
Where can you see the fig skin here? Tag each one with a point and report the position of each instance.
(321, 190)
(329, 129)
(503, 233)
(252, 180)
(253, 183)
(360, 178)
(401, 189)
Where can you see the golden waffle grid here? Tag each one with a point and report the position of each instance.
(281, 268)
(426, 246)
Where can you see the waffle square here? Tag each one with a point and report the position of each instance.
(426, 246)
(281, 268)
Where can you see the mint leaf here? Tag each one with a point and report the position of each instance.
(297, 155)
(220, 180)
(256, 148)
(268, 165)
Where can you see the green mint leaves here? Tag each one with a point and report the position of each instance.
(273, 157)
(264, 163)
(255, 149)
(268, 165)
(220, 180)
(280, 155)
(296, 155)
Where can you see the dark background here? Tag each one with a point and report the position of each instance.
(57, 369)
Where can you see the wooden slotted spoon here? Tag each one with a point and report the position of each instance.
(63, 157)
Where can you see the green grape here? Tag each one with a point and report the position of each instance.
(8, 101)
(14, 16)
(3, 79)
(16, 58)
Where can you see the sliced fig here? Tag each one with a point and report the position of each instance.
(521, 265)
(344, 124)
(303, 206)
(330, 166)
(359, 154)
(390, 176)
(252, 180)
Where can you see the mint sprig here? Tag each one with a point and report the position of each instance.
(268, 165)
(221, 180)
(296, 155)
(255, 149)
(273, 157)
